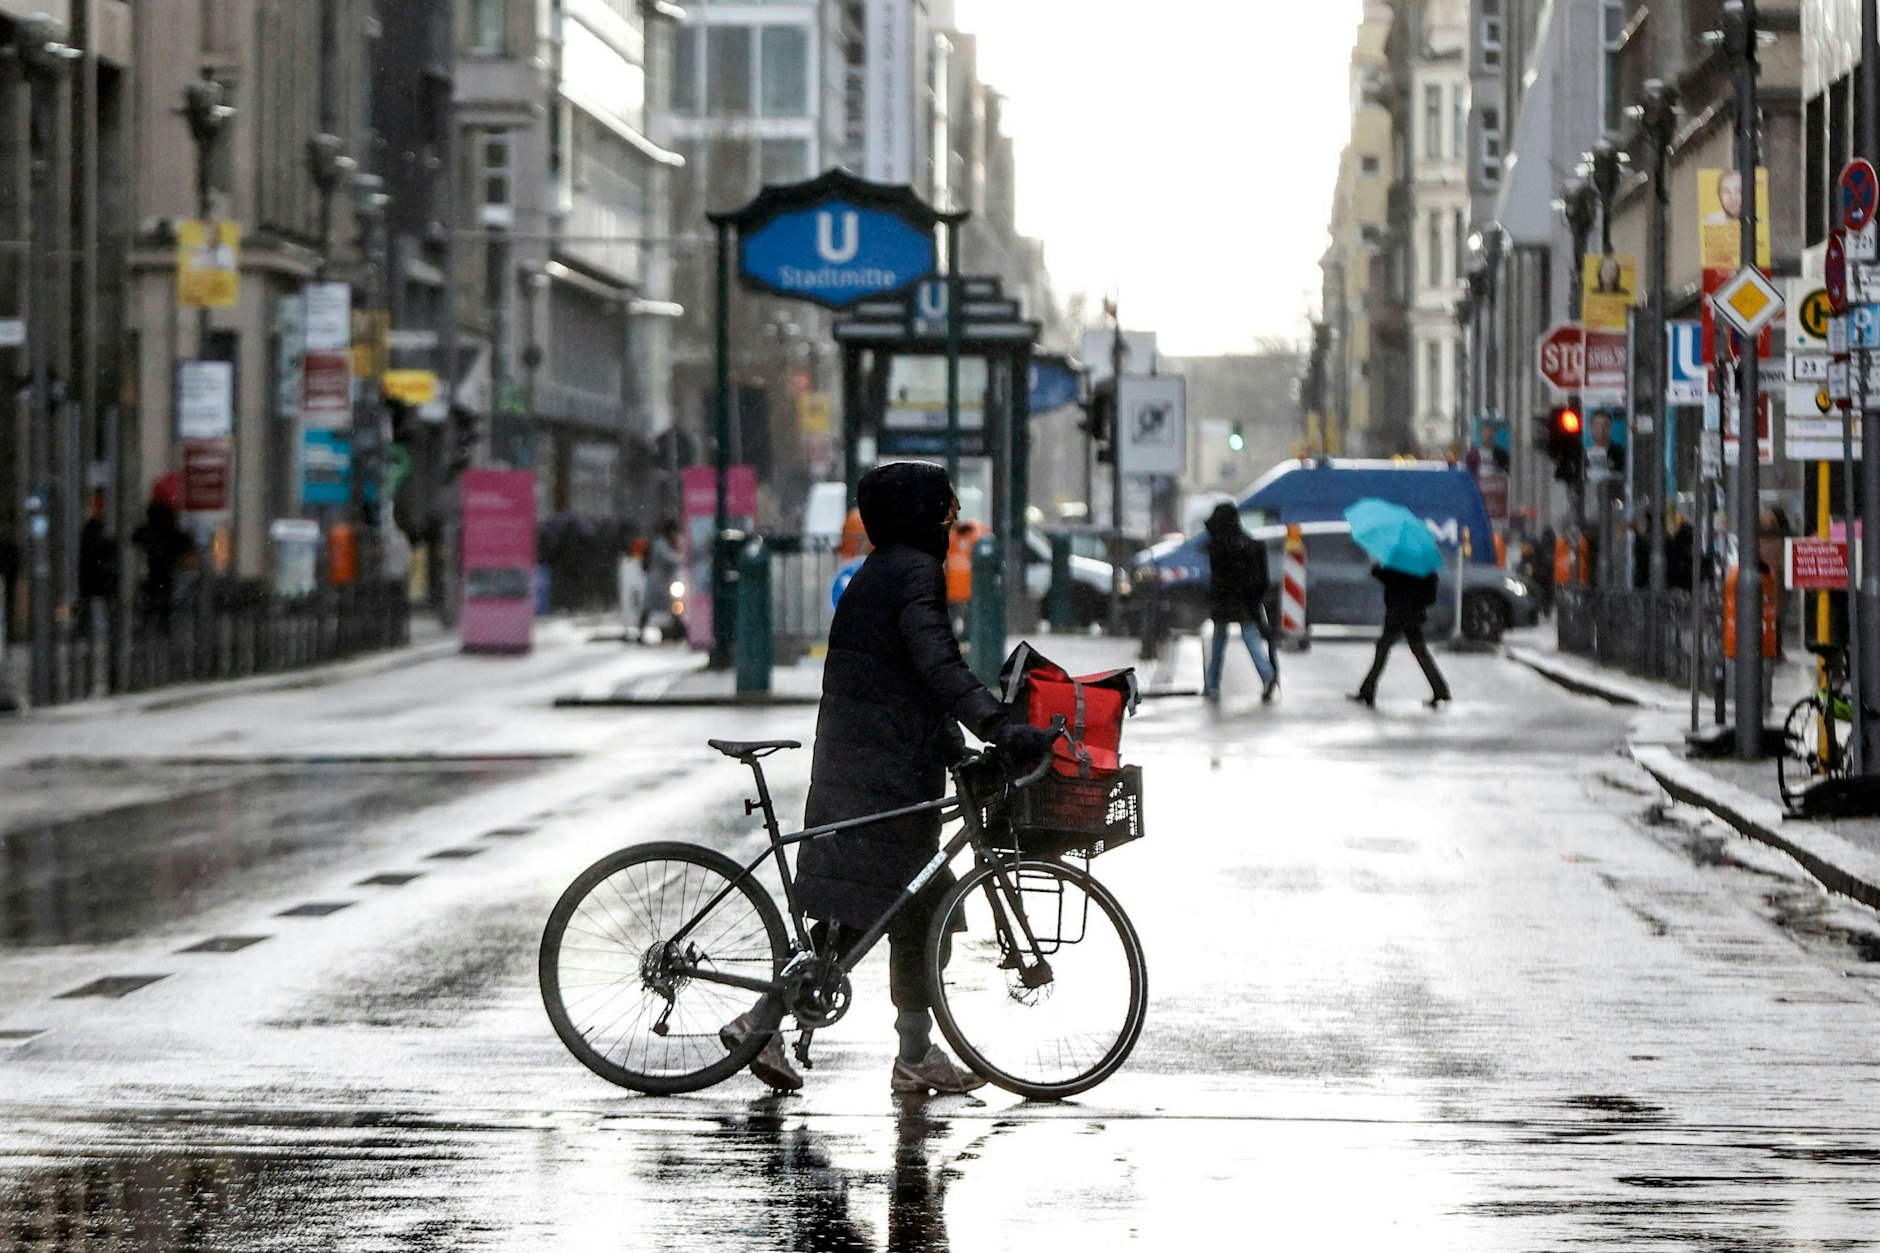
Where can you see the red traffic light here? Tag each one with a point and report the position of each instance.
(1567, 421)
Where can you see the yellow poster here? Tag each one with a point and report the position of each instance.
(1608, 287)
(814, 413)
(1720, 218)
(208, 264)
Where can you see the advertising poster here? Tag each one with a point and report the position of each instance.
(1609, 287)
(1720, 218)
(498, 560)
(700, 488)
(208, 264)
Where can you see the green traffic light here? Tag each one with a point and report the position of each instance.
(1235, 441)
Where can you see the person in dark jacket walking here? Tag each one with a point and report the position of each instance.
(1407, 599)
(1237, 585)
(895, 690)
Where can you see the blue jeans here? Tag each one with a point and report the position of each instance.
(1256, 649)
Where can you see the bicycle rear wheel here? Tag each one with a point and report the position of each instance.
(609, 972)
(1042, 1031)
(1811, 750)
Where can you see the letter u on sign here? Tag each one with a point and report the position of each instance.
(843, 253)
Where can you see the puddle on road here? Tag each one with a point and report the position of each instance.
(105, 876)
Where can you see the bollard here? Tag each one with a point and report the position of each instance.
(724, 593)
(985, 613)
(753, 646)
(1059, 609)
(9, 703)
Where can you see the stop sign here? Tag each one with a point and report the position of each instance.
(1560, 355)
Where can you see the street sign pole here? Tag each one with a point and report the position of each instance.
(954, 320)
(722, 609)
(1740, 25)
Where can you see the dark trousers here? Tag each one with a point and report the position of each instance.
(1410, 630)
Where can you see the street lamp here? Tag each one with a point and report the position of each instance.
(327, 164)
(1658, 122)
(1605, 160)
(533, 281)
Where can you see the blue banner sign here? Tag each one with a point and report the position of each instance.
(1053, 385)
(326, 468)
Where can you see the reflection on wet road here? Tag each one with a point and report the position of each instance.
(106, 875)
(1447, 981)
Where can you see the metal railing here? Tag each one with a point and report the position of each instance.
(236, 630)
(1640, 632)
(802, 576)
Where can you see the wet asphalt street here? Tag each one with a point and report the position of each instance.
(1449, 980)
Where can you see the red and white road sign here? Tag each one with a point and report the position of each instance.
(1560, 356)
(1860, 192)
(1815, 565)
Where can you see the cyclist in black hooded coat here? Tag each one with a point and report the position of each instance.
(895, 691)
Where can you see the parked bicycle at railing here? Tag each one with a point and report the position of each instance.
(1817, 733)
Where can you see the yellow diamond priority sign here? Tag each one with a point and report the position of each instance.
(1748, 302)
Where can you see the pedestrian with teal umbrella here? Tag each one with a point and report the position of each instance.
(1407, 560)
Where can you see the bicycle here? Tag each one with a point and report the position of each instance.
(1817, 731)
(655, 947)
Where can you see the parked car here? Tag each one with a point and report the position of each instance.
(1090, 579)
(1339, 588)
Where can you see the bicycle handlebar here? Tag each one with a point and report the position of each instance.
(1044, 766)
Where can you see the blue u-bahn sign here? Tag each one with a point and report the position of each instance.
(835, 240)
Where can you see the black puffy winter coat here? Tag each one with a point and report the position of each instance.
(894, 689)
(1238, 575)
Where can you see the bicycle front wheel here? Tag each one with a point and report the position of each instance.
(1809, 750)
(1045, 1017)
(623, 996)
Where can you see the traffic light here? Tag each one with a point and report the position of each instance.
(1566, 443)
(1237, 438)
(1099, 413)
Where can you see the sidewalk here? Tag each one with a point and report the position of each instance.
(1842, 853)
(690, 684)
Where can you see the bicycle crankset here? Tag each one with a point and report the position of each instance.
(819, 992)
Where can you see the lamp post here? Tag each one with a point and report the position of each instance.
(1579, 204)
(1605, 160)
(1493, 245)
(1465, 358)
(1739, 40)
(39, 43)
(1658, 119)
(533, 281)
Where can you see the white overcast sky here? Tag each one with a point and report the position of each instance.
(1181, 153)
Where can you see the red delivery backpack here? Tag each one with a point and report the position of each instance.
(1093, 707)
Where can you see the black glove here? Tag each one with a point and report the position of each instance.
(1023, 742)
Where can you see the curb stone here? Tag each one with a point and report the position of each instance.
(1840, 864)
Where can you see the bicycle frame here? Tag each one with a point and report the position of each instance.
(971, 833)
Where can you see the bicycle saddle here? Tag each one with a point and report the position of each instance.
(754, 748)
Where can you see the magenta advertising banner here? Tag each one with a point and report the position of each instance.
(699, 485)
(498, 560)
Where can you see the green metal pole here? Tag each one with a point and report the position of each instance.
(723, 612)
(953, 350)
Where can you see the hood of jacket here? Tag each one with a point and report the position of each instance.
(906, 502)
(1224, 524)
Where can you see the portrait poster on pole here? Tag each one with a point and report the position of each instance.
(1720, 218)
(1609, 287)
(208, 264)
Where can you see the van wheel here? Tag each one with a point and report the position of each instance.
(1087, 608)
(1484, 617)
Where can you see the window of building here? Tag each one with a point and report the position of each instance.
(1459, 240)
(784, 62)
(1433, 249)
(1433, 376)
(1612, 84)
(1432, 122)
(1816, 193)
(486, 26)
(1367, 165)
(497, 208)
(685, 50)
(728, 70)
(1491, 147)
(1459, 120)
(1490, 42)
(784, 160)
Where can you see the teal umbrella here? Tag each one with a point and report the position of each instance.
(1394, 537)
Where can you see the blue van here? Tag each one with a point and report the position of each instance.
(1316, 494)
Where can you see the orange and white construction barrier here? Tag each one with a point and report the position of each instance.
(1292, 589)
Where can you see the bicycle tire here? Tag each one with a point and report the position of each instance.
(1800, 763)
(656, 889)
(1037, 1042)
